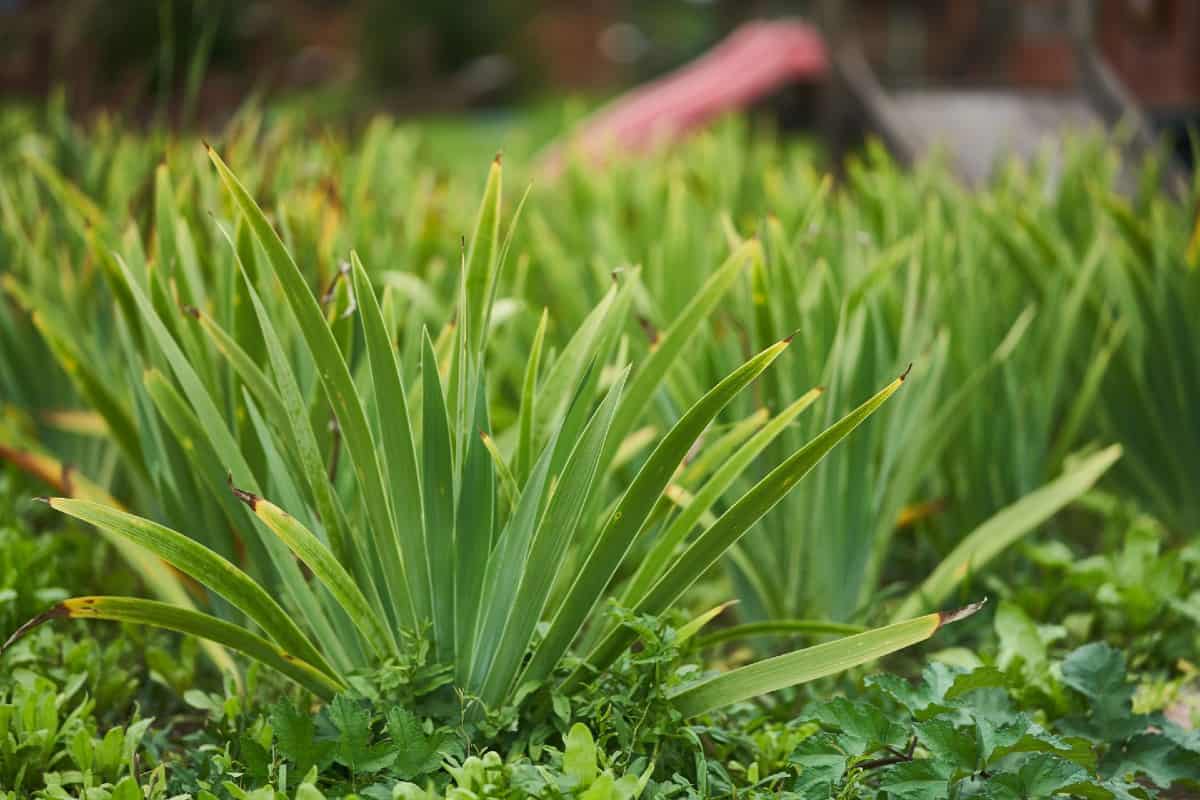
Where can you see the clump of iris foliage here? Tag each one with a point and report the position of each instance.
(474, 474)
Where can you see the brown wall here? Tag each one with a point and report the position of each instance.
(1155, 48)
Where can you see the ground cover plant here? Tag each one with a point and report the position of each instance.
(482, 476)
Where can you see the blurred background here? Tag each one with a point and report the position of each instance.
(195, 61)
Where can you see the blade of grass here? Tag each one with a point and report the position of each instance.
(700, 556)
(335, 377)
(655, 367)
(474, 524)
(325, 566)
(808, 664)
(664, 547)
(778, 627)
(555, 533)
(205, 566)
(622, 527)
(1006, 527)
(438, 488)
(528, 407)
(193, 623)
(399, 450)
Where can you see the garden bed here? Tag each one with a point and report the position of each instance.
(618, 486)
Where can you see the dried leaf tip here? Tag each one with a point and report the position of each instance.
(499, 158)
(56, 612)
(249, 498)
(788, 339)
(946, 617)
(207, 146)
(907, 370)
(192, 311)
(649, 329)
(484, 435)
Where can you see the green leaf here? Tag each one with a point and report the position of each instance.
(334, 374)
(127, 789)
(926, 779)
(779, 627)
(205, 566)
(1097, 671)
(805, 665)
(416, 753)
(302, 435)
(254, 378)
(663, 550)
(309, 549)
(657, 365)
(295, 734)
(473, 533)
(1020, 641)
(548, 549)
(1156, 757)
(1007, 526)
(184, 620)
(566, 374)
(1040, 775)
(579, 755)
(438, 485)
(510, 553)
(950, 744)
(867, 725)
(927, 697)
(622, 527)
(399, 450)
(697, 624)
(508, 483)
(482, 261)
(734, 523)
(153, 572)
(822, 765)
(212, 422)
(353, 748)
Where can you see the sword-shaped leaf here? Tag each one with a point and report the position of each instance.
(185, 620)
(810, 663)
(197, 561)
(622, 527)
(309, 549)
(1007, 526)
(733, 524)
(335, 377)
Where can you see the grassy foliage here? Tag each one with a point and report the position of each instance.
(335, 398)
(400, 527)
